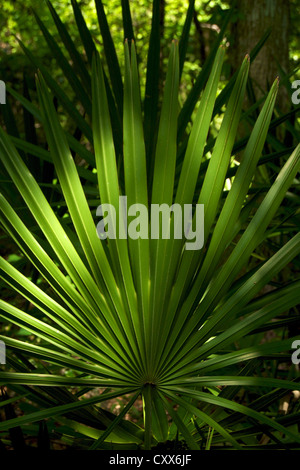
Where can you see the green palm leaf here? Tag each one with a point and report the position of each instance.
(145, 318)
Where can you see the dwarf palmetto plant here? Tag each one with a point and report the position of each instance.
(146, 318)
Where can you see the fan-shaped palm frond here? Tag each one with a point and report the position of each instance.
(140, 316)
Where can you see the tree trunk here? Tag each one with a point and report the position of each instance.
(254, 19)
